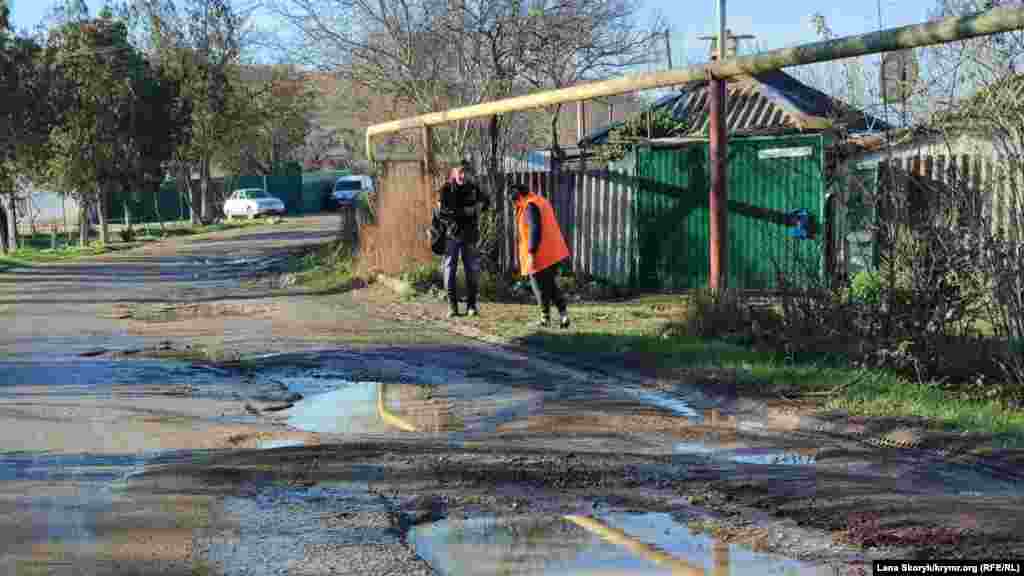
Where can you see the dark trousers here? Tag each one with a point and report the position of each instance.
(546, 290)
(467, 251)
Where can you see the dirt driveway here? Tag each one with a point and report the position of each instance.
(357, 437)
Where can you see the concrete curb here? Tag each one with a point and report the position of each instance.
(808, 424)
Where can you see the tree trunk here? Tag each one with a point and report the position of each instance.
(557, 155)
(5, 246)
(156, 205)
(185, 188)
(12, 223)
(102, 213)
(83, 222)
(204, 189)
(500, 198)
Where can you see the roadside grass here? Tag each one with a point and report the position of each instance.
(41, 248)
(649, 332)
(829, 382)
(7, 263)
(34, 251)
(327, 268)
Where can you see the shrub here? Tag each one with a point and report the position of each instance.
(712, 314)
(423, 276)
(866, 287)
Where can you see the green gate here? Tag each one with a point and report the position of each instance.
(769, 179)
(670, 211)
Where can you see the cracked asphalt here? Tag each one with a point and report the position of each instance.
(352, 442)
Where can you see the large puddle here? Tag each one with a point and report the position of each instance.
(650, 543)
(375, 407)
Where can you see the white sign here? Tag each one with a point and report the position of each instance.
(784, 152)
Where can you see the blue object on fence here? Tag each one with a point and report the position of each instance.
(800, 223)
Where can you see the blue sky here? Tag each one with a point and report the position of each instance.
(776, 23)
(779, 23)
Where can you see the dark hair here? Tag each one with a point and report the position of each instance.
(517, 189)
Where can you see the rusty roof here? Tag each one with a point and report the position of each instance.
(769, 103)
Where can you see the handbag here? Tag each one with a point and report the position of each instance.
(438, 235)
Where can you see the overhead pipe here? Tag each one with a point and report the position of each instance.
(1000, 19)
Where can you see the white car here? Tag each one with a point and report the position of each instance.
(252, 202)
(348, 188)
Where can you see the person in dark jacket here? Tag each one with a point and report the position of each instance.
(541, 248)
(462, 202)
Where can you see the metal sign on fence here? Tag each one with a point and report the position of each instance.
(769, 153)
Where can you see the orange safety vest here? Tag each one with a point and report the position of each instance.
(552, 249)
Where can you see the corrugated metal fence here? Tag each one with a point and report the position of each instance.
(594, 210)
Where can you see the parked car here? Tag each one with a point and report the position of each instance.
(348, 188)
(252, 202)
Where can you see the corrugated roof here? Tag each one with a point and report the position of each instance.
(769, 103)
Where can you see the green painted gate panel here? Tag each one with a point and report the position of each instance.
(671, 215)
(770, 177)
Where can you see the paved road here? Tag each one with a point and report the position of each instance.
(355, 443)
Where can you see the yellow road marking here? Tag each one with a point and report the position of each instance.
(387, 416)
(641, 549)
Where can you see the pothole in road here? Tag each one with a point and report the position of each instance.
(278, 527)
(650, 543)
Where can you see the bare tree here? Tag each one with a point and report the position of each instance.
(572, 41)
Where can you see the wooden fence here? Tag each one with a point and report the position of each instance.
(398, 237)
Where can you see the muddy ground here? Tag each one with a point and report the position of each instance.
(358, 435)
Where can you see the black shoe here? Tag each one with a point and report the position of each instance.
(565, 321)
(472, 311)
(544, 322)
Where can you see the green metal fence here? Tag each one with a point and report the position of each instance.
(769, 178)
(148, 206)
(288, 188)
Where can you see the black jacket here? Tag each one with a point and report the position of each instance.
(454, 200)
(533, 223)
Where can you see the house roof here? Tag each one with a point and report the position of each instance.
(769, 103)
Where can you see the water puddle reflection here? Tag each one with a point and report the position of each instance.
(374, 407)
(613, 543)
(750, 455)
(675, 405)
(272, 444)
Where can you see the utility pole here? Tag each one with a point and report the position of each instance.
(668, 46)
(718, 201)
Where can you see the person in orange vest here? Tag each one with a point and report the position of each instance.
(541, 248)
